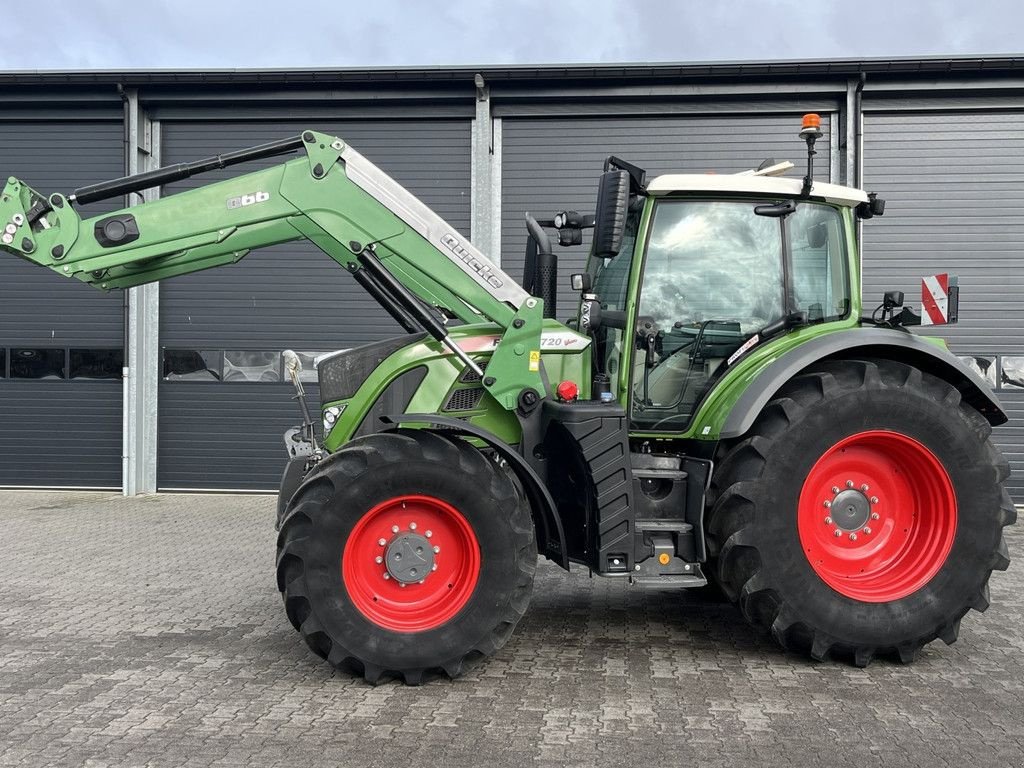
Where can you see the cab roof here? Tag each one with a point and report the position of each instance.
(750, 183)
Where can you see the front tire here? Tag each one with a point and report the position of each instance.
(863, 513)
(406, 553)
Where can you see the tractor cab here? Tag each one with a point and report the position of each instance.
(711, 267)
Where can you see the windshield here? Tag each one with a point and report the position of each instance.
(715, 274)
(713, 261)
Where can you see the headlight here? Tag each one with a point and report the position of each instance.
(331, 417)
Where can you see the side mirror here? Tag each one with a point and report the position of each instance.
(875, 206)
(610, 219)
(817, 235)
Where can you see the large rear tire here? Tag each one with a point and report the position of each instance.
(863, 514)
(406, 553)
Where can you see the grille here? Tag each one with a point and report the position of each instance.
(469, 376)
(464, 399)
(342, 375)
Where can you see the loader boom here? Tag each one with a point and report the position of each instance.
(406, 256)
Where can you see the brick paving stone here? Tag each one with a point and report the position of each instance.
(149, 632)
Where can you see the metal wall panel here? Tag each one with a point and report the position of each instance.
(954, 190)
(289, 296)
(59, 433)
(552, 164)
(224, 435)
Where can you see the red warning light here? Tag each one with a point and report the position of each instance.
(567, 391)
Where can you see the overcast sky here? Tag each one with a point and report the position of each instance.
(105, 34)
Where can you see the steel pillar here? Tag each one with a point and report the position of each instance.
(142, 320)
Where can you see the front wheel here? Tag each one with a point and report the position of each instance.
(863, 514)
(404, 553)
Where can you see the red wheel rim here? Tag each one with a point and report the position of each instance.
(877, 516)
(394, 595)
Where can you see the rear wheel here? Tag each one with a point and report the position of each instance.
(406, 553)
(863, 513)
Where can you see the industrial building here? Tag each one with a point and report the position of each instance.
(179, 385)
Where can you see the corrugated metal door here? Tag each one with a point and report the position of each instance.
(60, 340)
(223, 405)
(553, 164)
(954, 190)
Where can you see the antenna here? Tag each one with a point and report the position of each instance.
(810, 132)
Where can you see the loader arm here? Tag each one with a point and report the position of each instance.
(402, 252)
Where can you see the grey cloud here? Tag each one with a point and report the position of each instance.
(260, 33)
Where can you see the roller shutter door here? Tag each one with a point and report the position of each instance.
(553, 164)
(61, 341)
(223, 406)
(954, 190)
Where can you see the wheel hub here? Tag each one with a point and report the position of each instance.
(877, 516)
(850, 510)
(411, 563)
(409, 558)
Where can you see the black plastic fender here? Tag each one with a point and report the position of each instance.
(884, 343)
(551, 535)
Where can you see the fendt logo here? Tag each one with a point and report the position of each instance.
(483, 270)
(244, 200)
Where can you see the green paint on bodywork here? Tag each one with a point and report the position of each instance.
(563, 361)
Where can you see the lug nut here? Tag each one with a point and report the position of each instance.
(401, 584)
(382, 542)
(437, 550)
(412, 526)
(835, 489)
(428, 534)
(853, 537)
(838, 533)
(874, 515)
(849, 483)
(864, 488)
(874, 499)
(867, 530)
(387, 575)
(828, 521)
(394, 529)
(433, 568)
(828, 504)
(378, 559)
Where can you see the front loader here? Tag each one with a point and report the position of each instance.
(720, 409)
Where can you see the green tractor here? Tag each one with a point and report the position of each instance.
(720, 410)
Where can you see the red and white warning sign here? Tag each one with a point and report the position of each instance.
(939, 299)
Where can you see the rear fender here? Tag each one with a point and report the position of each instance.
(878, 343)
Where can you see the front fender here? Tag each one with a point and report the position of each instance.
(862, 343)
(550, 533)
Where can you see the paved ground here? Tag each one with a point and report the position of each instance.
(150, 632)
